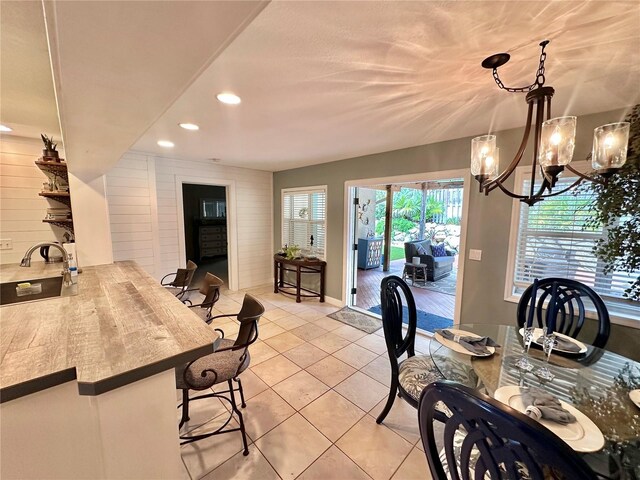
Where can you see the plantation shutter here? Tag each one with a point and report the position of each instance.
(304, 215)
(553, 241)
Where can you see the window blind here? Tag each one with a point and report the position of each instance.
(304, 213)
(553, 241)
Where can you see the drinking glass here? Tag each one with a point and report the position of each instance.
(548, 342)
(523, 362)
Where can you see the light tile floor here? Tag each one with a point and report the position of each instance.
(313, 392)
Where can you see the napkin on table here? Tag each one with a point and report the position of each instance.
(548, 406)
(477, 345)
(567, 345)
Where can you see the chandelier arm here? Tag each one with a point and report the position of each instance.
(585, 177)
(509, 193)
(516, 160)
(539, 195)
(573, 185)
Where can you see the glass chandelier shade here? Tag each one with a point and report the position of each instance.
(610, 146)
(484, 156)
(557, 142)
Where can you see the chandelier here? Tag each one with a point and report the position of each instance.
(554, 141)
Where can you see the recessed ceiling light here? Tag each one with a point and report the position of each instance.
(4, 128)
(228, 98)
(165, 143)
(189, 126)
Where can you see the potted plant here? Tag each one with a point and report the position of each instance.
(49, 150)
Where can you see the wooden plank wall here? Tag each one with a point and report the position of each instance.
(254, 202)
(21, 209)
(143, 209)
(130, 197)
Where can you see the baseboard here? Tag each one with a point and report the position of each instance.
(334, 301)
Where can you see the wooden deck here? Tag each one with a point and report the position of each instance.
(426, 300)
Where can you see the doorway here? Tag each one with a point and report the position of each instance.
(206, 230)
(422, 212)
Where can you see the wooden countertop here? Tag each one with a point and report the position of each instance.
(121, 327)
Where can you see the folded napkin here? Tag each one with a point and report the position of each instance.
(566, 345)
(477, 345)
(541, 404)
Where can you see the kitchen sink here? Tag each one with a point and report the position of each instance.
(41, 288)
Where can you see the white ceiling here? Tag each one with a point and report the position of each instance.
(28, 103)
(119, 65)
(322, 81)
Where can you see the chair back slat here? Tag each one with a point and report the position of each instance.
(392, 291)
(561, 304)
(483, 436)
(248, 317)
(210, 288)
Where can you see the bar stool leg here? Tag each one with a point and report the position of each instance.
(240, 419)
(242, 404)
(185, 408)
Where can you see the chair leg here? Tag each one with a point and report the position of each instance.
(240, 419)
(392, 396)
(242, 404)
(185, 408)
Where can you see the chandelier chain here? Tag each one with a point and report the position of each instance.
(540, 78)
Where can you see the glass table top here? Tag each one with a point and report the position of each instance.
(597, 383)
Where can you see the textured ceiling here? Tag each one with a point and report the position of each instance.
(28, 103)
(119, 65)
(322, 81)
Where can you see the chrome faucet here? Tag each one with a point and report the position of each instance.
(66, 274)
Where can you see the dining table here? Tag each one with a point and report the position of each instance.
(596, 382)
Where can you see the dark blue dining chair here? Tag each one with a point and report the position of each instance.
(409, 376)
(483, 436)
(566, 308)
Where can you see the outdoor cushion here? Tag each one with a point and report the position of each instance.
(438, 250)
(422, 250)
(442, 261)
(224, 364)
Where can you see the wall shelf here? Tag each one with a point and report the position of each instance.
(57, 169)
(66, 224)
(62, 197)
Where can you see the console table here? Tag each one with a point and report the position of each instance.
(300, 267)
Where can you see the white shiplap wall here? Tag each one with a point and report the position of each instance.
(254, 202)
(143, 209)
(21, 209)
(131, 200)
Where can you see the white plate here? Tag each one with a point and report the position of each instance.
(537, 338)
(582, 435)
(634, 395)
(456, 347)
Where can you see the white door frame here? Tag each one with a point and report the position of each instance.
(232, 221)
(349, 225)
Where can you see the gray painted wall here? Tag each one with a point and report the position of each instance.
(488, 224)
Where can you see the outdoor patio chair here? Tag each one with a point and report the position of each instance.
(438, 266)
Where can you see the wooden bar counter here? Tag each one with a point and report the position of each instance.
(87, 382)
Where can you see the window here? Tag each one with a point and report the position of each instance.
(303, 216)
(549, 239)
(212, 208)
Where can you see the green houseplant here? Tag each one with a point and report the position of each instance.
(50, 148)
(616, 207)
